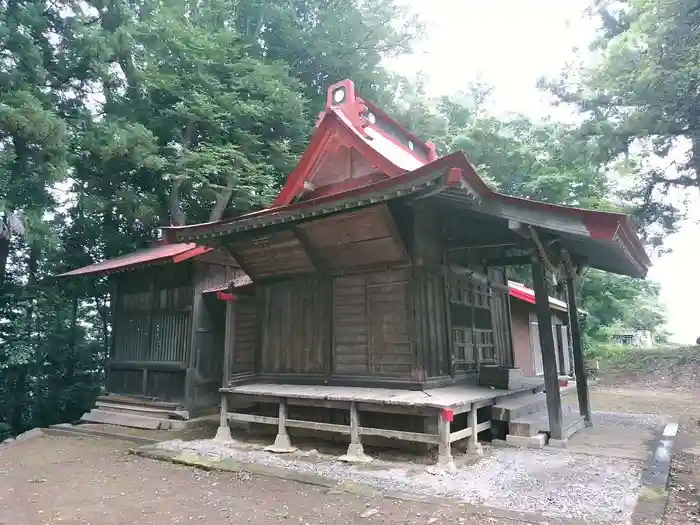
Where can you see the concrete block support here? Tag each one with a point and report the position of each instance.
(473, 445)
(355, 453)
(536, 441)
(558, 443)
(445, 460)
(282, 444)
(223, 433)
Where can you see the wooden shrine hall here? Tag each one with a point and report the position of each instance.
(380, 290)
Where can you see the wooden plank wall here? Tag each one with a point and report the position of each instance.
(152, 314)
(246, 334)
(205, 366)
(433, 337)
(295, 327)
(373, 324)
(151, 332)
(501, 317)
(363, 238)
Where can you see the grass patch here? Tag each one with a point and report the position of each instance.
(621, 359)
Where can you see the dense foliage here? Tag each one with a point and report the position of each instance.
(118, 117)
(639, 101)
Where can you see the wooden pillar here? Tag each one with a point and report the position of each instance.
(223, 433)
(559, 342)
(229, 342)
(584, 400)
(473, 445)
(444, 447)
(549, 357)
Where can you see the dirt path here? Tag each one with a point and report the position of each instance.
(52, 480)
(682, 406)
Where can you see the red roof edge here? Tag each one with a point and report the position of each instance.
(158, 253)
(348, 114)
(194, 252)
(526, 294)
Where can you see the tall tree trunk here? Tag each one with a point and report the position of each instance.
(19, 387)
(19, 397)
(4, 255)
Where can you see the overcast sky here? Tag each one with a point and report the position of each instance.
(509, 44)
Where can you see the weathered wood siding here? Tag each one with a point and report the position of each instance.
(295, 327)
(275, 254)
(247, 331)
(358, 239)
(152, 314)
(373, 325)
(205, 367)
(431, 315)
(151, 332)
(501, 317)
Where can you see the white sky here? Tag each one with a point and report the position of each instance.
(509, 44)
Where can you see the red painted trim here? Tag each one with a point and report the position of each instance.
(319, 141)
(228, 297)
(448, 414)
(346, 185)
(522, 295)
(432, 152)
(194, 252)
(454, 177)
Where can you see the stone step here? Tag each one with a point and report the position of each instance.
(518, 406)
(140, 400)
(127, 420)
(124, 408)
(538, 422)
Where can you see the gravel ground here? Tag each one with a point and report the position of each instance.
(555, 484)
(627, 419)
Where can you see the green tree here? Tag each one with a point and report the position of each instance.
(323, 41)
(639, 99)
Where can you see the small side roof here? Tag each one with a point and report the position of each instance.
(161, 253)
(523, 293)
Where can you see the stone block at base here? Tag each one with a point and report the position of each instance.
(282, 445)
(355, 454)
(536, 441)
(558, 443)
(500, 377)
(223, 434)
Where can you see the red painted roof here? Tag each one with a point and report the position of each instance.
(359, 153)
(158, 254)
(356, 140)
(522, 292)
(451, 173)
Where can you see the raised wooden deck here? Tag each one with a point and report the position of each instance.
(438, 406)
(457, 398)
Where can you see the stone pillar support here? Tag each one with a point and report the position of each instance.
(355, 453)
(282, 444)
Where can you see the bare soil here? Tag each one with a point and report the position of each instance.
(57, 480)
(669, 387)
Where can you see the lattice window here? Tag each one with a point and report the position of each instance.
(483, 341)
(460, 294)
(482, 296)
(463, 345)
